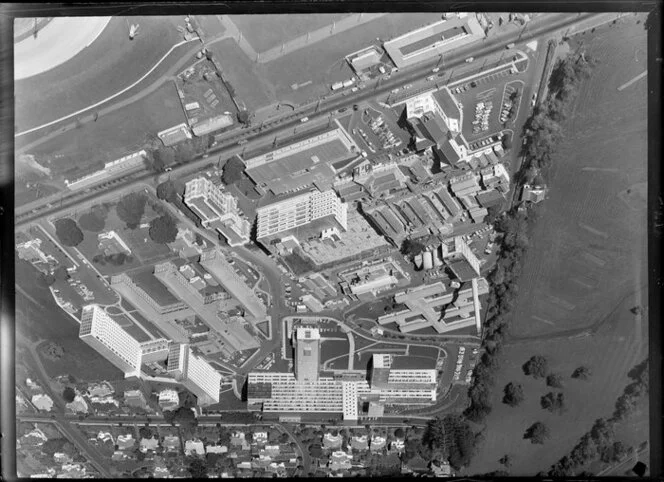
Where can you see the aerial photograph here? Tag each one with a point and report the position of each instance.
(332, 245)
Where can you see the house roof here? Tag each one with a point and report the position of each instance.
(490, 198)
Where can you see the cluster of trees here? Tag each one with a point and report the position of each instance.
(543, 127)
(232, 171)
(553, 402)
(181, 153)
(449, 438)
(537, 433)
(163, 230)
(513, 394)
(600, 440)
(582, 373)
(95, 220)
(537, 366)
(173, 192)
(68, 232)
(55, 445)
(411, 247)
(54, 351)
(131, 208)
(68, 394)
(44, 280)
(626, 403)
(554, 380)
(513, 227)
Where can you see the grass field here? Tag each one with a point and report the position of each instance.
(267, 31)
(113, 135)
(334, 348)
(41, 317)
(588, 247)
(583, 233)
(111, 63)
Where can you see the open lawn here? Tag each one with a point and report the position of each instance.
(111, 63)
(267, 31)
(40, 317)
(588, 247)
(113, 135)
(334, 348)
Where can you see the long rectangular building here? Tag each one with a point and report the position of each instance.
(433, 40)
(278, 219)
(197, 375)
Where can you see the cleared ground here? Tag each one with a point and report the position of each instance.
(111, 63)
(265, 31)
(588, 246)
(563, 250)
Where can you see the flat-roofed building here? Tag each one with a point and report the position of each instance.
(433, 40)
(307, 356)
(282, 218)
(460, 259)
(400, 372)
(218, 210)
(215, 263)
(197, 375)
(110, 340)
(364, 59)
(175, 135)
(434, 306)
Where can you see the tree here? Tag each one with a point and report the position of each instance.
(163, 230)
(44, 280)
(507, 141)
(166, 191)
(93, 221)
(493, 213)
(537, 433)
(68, 394)
(506, 460)
(553, 402)
(131, 208)
(162, 157)
(434, 435)
(411, 248)
(232, 170)
(615, 452)
(198, 468)
(243, 117)
(554, 380)
(513, 394)
(145, 432)
(398, 433)
(582, 373)
(68, 232)
(537, 366)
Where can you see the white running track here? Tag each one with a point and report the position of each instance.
(60, 40)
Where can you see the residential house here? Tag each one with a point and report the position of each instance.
(72, 471)
(260, 438)
(276, 468)
(216, 449)
(417, 464)
(194, 446)
(102, 389)
(119, 456)
(171, 443)
(61, 458)
(238, 440)
(359, 443)
(42, 402)
(340, 460)
(332, 441)
(161, 472)
(78, 405)
(135, 398)
(104, 437)
(49, 474)
(378, 443)
(397, 445)
(147, 444)
(125, 441)
(169, 399)
(441, 469)
(34, 438)
(272, 450)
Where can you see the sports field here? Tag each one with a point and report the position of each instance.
(266, 31)
(588, 247)
(111, 63)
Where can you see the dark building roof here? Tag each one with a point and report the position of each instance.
(462, 269)
(446, 153)
(447, 201)
(490, 198)
(433, 126)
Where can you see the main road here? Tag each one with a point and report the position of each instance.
(321, 109)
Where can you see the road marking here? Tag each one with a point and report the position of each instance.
(594, 231)
(543, 320)
(600, 169)
(108, 98)
(638, 77)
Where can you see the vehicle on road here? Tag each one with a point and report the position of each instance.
(430, 78)
(435, 70)
(510, 46)
(470, 59)
(304, 119)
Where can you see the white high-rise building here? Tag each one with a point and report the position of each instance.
(197, 375)
(108, 338)
(307, 357)
(299, 211)
(217, 210)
